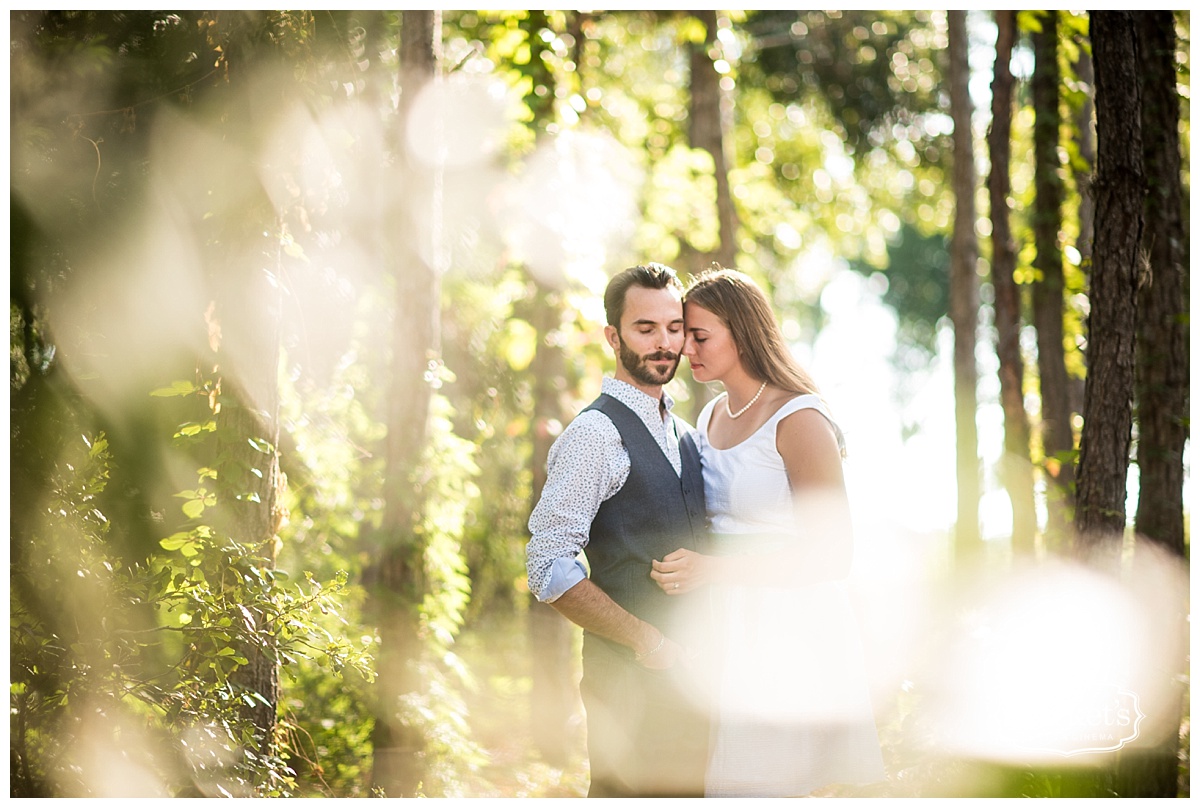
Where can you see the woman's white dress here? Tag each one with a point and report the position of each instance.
(793, 709)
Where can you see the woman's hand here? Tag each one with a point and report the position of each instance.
(682, 571)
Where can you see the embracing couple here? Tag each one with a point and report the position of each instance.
(720, 651)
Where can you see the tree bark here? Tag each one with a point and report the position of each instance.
(964, 295)
(251, 413)
(706, 130)
(397, 575)
(1162, 350)
(1015, 468)
(1120, 190)
(1058, 442)
(247, 312)
(1161, 387)
(1085, 134)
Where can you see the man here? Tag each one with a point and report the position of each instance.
(624, 481)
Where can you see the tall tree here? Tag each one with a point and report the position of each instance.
(398, 575)
(706, 130)
(964, 293)
(1015, 468)
(1083, 166)
(1111, 328)
(1163, 355)
(1058, 441)
(1161, 390)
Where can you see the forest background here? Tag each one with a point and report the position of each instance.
(299, 300)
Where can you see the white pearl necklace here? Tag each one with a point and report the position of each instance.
(738, 414)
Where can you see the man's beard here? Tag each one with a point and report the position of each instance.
(639, 366)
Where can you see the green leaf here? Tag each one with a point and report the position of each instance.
(193, 508)
(175, 541)
(179, 388)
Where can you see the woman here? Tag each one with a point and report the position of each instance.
(792, 711)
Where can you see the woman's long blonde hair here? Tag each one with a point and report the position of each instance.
(744, 308)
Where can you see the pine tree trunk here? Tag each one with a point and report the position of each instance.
(397, 576)
(1083, 170)
(1058, 442)
(706, 130)
(964, 295)
(250, 324)
(1120, 188)
(247, 311)
(1161, 387)
(1163, 354)
(1015, 468)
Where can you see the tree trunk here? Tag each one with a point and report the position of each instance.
(1085, 134)
(250, 319)
(964, 294)
(1058, 442)
(1120, 189)
(247, 311)
(1163, 355)
(706, 130)
(1015, 468)
(1161, 384)
(398, 575)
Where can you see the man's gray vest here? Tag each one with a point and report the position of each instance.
(654, 513)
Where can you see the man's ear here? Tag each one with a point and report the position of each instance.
(613, 337)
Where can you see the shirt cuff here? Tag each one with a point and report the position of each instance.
(564, 574)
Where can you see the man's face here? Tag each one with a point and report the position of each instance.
(650, 337)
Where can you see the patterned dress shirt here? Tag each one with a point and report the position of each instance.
(587, 464)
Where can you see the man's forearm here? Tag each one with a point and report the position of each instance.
(587, 605)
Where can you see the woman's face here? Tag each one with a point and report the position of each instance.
(708, 344)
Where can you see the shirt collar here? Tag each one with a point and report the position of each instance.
(635, 399)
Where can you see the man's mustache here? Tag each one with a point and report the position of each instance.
(663, 356)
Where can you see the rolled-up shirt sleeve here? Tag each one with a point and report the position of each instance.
(586, 465)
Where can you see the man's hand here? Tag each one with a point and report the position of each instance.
(588, 606)
(682, 571)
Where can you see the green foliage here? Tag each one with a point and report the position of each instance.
(153, 647)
